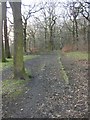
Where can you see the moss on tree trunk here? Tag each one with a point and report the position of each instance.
(19, 71)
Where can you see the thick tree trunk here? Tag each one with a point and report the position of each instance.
(19, 70)
(88, 37)
(1, 32)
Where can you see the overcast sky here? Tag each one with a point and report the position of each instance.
(31, 2)
(38, 1)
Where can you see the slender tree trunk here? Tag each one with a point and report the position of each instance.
(7, 49)
(25, 27)
(3, 51)
(51, 39)
(54, 45)
(84, 31)
(19, 71)
(76, 25)
(34, 41)
(73, 33)
(45, 37)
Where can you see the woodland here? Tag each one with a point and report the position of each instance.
(43, 45)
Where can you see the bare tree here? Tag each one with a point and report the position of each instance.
(31, 10)
(44, 25)
(84, 9)
(51, 22)
(31, 31)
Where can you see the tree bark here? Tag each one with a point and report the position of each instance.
(88, 37)
(45, 37)
(34, 41)
(76, 30)
(3, 51)
(25, 34)
(51, 38)
(73, 33)
(84, 32)
(19, 71)
(7, 48)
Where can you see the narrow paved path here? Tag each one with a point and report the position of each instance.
(47, 96)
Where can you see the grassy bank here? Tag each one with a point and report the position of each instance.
(77, 55)
(9, 62)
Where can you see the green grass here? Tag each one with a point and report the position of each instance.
(78, 55)
(10, 62)
(63, 72)
(7, 64)
(13, 88)
(28, 57)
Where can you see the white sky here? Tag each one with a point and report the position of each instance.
(27, 2)
(31, 2)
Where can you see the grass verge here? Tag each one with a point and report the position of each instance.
(9, 62)
(77, 55)
(62, 70)
(12, 88)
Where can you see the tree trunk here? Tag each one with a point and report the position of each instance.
(51, 39)
(84, 32)
(45, 37)
(19, 71)
(34, 39)
(73, 33)
(7, 49)
(76, 34)
(3, 51)
(88, 38)
(24, 30)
